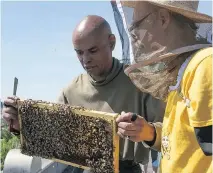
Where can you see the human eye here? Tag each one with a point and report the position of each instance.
(79, 52)
(93, 50)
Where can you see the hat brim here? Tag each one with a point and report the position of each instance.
(194, 16)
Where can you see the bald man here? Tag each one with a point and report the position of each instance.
(104, 87)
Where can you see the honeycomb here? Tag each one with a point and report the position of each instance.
(71, 135)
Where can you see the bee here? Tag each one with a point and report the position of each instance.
(51, 130)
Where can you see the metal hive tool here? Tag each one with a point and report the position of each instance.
(71, 135)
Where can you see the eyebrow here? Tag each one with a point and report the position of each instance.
(94, 47)
(77, 50)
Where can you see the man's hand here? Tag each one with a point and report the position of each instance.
(137, 131)
(10, 112)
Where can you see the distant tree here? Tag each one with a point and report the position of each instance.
(8, 142)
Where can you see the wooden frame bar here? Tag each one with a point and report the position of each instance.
(110, 117)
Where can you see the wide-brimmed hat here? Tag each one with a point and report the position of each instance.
(185, 8)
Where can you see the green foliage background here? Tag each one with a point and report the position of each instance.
(8, 142)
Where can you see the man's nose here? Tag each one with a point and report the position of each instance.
(87, 58)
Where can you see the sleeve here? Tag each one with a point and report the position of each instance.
(158, 129)
(200, 95)
(62, 98)
(205, 141)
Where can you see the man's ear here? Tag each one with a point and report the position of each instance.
(164, 17)
(112, 41)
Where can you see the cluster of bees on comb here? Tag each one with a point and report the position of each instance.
(55, 131)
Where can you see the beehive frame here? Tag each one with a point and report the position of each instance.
(109, 117)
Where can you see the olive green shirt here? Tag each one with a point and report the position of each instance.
(115, 94)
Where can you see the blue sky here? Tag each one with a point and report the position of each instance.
(36, 44)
